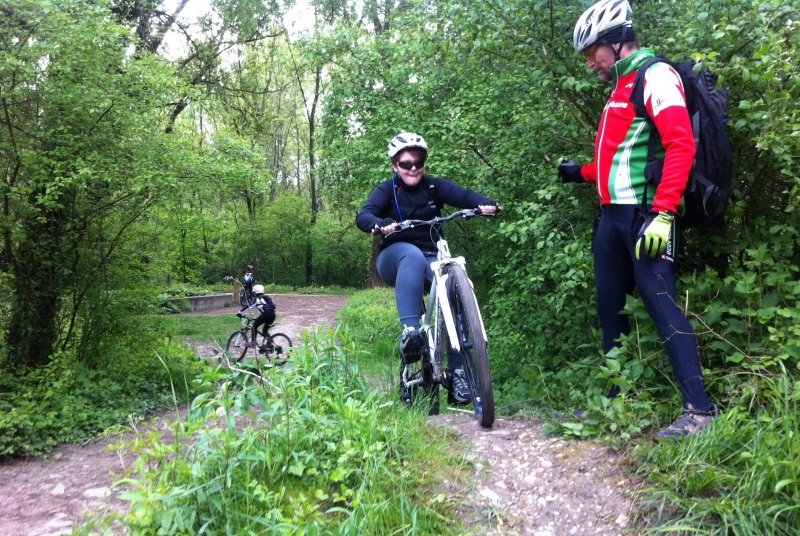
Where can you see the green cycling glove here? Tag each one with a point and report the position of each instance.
(654, 234)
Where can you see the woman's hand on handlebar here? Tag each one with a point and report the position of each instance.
(489, 210)
(387, 229)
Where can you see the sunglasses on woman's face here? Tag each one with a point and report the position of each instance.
(408, 164)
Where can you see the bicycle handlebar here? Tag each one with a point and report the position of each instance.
(439, 220)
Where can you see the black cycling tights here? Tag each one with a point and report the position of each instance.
(617, 273)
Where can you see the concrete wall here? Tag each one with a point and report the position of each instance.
(198, 304)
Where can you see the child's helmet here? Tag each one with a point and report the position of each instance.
(405, 141)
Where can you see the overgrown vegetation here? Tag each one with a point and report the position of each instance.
(303, 449)
(169, 171)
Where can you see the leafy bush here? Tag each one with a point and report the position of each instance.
(66, 401)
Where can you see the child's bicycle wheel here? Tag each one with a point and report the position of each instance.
(275, 348)
(238, 345)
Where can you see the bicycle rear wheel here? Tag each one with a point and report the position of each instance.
(237, 346)
(274, 348)
(474, 355)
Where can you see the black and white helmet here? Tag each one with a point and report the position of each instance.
(405, 141)
(603, 16)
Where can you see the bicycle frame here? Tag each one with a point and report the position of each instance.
(438, 301)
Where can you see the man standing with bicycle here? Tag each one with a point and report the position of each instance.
(405, 257)
(634, 243)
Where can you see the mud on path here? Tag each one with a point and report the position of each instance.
(518, 480)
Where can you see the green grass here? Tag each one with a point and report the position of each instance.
(68, 401)
(195, 327)
(369, 321)
(310, 448)
(740, 477)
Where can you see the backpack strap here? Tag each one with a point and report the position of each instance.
(394, 193)
(637, 99)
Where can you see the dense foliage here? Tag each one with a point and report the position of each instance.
(128, 170)
(72, 402)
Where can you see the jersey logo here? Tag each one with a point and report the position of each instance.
(663, 80)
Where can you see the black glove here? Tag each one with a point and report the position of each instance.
(570, 171)
(240, 315)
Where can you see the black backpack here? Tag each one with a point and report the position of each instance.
(709, 185)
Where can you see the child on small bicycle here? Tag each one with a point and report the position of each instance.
(265, 306)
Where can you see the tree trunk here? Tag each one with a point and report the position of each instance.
(38, 281)
(312, 164)
(374, 280)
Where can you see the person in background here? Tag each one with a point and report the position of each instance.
(405, 257)
(248, 280)
(635, 244)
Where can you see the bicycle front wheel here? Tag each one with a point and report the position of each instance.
(275, 348)
(238, 346)
(474, 355)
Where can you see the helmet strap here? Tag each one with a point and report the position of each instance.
(617, 50)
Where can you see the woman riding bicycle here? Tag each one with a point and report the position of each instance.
(265, 305)
(405, 258)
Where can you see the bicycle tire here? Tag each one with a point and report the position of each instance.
(237, 345)
(243, 298)
(474, 354)
(275, 348)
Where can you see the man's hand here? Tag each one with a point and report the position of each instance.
(489, 210)
(570, 171)
(654, 234)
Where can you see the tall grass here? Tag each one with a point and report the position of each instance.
(742, 476)
(304, 449)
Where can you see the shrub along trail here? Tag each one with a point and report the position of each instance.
(517, 479)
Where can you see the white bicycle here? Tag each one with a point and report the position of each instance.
(453, 326)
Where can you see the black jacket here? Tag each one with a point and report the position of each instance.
(423, 202)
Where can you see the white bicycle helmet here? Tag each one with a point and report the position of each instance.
(405, 141)
(258, 289)
(603, 16)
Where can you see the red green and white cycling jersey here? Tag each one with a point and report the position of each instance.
(621, 145)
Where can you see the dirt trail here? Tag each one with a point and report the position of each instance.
(522, 483)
